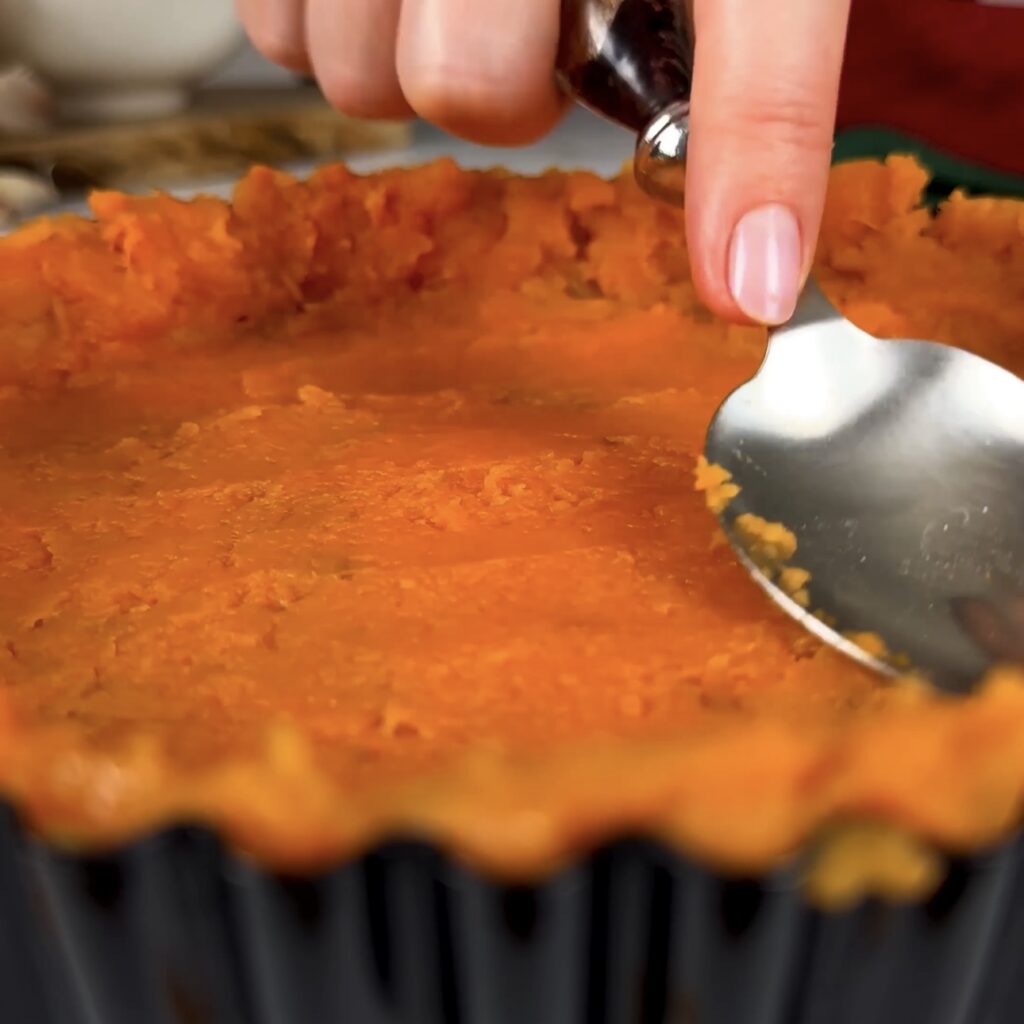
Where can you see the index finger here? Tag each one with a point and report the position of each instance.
(766, 82)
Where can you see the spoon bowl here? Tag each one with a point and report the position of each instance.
(898, 466)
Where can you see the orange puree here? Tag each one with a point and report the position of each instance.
(362, 506)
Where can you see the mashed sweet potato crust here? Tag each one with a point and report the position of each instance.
(363, 506)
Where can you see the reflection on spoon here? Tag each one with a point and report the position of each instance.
(997, 628)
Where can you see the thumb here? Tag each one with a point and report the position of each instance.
(766, 81)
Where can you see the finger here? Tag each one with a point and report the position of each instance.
(351, 45)
(276, 29)
(766, 78)
(482, 69)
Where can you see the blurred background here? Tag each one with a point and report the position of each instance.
(136, 94)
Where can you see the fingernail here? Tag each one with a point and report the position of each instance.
(764, 263)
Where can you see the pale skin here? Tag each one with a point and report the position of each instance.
(764, 102)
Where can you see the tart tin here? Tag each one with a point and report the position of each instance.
(177, 929)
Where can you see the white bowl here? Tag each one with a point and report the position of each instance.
(119, 59)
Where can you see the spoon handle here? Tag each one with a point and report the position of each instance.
(631, 61)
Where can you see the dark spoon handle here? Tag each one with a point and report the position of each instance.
(632, 62)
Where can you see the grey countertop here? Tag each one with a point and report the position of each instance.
(580, 141)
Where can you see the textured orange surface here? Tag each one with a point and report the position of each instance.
(366, 505)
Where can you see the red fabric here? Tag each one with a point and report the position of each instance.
(950, 72)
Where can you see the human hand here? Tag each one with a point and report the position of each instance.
(764, 97)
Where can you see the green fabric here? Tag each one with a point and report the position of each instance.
(948, 171)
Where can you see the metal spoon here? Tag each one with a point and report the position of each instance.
(897, 465)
